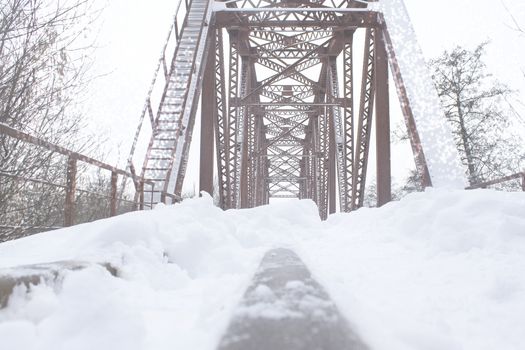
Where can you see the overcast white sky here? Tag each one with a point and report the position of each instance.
(443, 24)
(132, 33)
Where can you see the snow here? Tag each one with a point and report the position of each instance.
(438, 270)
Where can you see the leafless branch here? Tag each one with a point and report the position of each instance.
(516, 25)
(43, 70)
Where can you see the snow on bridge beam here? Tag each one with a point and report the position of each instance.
(285, 308)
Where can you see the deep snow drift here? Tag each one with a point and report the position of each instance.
(437, 270)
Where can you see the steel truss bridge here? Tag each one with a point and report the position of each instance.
(285, 113)
(287, 94)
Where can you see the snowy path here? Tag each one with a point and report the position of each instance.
(438, 270)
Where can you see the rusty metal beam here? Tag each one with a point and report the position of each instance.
(20, 135)
(415, 141)
(233, 114)
(208, 109)
(222, 142)
(365, 120)
(383, 166)
(337, 132)
(348, 107)
(332, 170)
(113, 203)
(242, 137)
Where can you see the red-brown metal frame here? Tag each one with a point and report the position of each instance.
(290, 133)
(72, 173)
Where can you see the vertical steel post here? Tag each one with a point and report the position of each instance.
(265, 166)
(71, 186)
(141, 195)
(323, 164)
(348, 93)
(252, 140)
(316, 151)
(233, 116)
(331, 164)
(256, 161)
(208, 108)
(222, 147)
(337, 137)
(245, 162)
(384, 173)
(303, 174)
(364, 128)
(523, 182)
(306, 164)
(113, 198)
(242, 136)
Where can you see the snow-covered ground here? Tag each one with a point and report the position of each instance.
(437, 270)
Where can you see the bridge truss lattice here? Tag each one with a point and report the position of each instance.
(285, 110)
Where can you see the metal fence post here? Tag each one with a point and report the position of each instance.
(113, 201)
(523, 181)
(141, 195)
(71, 185)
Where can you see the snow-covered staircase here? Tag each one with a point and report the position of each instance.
(165, 152)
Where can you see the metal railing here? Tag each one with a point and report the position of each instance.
(501, 180)
(71, 192)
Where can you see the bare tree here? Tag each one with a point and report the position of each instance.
(42, 71)
(475, 107)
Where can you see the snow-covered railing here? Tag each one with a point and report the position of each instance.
(70, 186)
(501, 180)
